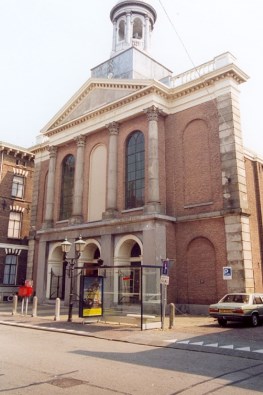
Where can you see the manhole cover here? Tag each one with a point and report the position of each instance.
(65, 382)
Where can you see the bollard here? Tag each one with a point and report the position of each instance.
(26, 304)
(22, 305)
(34, 308)
(57, 310)
(14, 311)
(171, 317)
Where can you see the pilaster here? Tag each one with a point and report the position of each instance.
(111, 199)
(153, 204)
(49, 220)
(77, 216)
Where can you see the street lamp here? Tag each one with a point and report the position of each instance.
(79, 248)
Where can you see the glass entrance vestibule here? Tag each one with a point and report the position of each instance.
(124, 294)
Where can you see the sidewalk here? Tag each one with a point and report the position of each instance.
(199, 333)
(185, 325)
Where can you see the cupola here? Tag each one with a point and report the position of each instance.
(133, 22)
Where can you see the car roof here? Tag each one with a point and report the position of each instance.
(245, 293)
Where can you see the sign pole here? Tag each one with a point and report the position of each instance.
(164, 282)
(164, 292)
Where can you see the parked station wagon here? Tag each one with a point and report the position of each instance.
(238, 307)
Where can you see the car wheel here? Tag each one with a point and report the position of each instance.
(254, 320)
(222, 321)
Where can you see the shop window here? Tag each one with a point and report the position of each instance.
(135, 169)
(67, 187)
(14, 225)
(18, 187)
(10, 269)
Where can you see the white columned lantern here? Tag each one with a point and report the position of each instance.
(133, 22)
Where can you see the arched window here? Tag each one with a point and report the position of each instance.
(134, 185)
(121, 30)
(67, 186)
(137, 28)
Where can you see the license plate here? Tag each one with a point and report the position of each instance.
(225, 311)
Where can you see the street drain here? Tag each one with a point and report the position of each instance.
(65, 382)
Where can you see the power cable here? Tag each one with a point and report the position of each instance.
(212, 96)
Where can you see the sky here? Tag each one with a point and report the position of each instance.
(48, 47)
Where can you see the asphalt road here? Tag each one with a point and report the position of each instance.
(38, 362)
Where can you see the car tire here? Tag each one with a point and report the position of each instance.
(222, 321)
(254, 320)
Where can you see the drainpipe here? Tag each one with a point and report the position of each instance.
(1, 168)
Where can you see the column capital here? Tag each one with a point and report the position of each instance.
(113, 128)
(52, 151)
(80, 140)
(152, 113)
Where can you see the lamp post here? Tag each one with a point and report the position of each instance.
(79, 247)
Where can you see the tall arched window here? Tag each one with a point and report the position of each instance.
(137, 28)
(67, 186)
(121, 30)
(134, 185)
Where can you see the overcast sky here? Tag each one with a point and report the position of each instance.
(48, 47)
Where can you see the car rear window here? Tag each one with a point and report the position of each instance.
(237, 298)
(257, 300)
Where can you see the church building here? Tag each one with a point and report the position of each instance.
(146, 165)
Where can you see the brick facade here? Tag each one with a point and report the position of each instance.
(14, 161)
(202, 193)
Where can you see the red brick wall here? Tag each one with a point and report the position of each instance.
(197, 276)
(193, 167)
(9, 163)
(254, 173)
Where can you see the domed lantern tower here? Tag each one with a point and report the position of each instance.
(133, 22)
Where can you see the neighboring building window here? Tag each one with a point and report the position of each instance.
(67, 186)
(18, 187)
(134, 191)
(14, 225)
(10, 270)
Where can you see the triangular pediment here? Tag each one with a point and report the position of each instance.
(93, 95)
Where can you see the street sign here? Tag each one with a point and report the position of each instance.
(164, 280)
(227, 273)
(165, 267)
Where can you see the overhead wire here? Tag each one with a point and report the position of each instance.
(190, 58)
(178, 36)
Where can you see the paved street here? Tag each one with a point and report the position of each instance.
(199, 333)
(39, 362)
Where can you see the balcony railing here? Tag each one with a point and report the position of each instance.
(190, 75)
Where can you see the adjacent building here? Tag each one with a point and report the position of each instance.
(145, 165)
(16, 179)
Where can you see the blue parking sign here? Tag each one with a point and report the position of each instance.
(227, 273)
(165, 267)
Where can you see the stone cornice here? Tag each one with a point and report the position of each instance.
(16, 151)
(141, 90)
(91, 85)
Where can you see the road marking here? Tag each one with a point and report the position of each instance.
(229, 346)
(184, 342)
(211, 345)
(243, 349)
(171, 340)
(261, 351)
(197, 343)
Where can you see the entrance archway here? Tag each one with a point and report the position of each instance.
(128, 252)
(56, 273)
